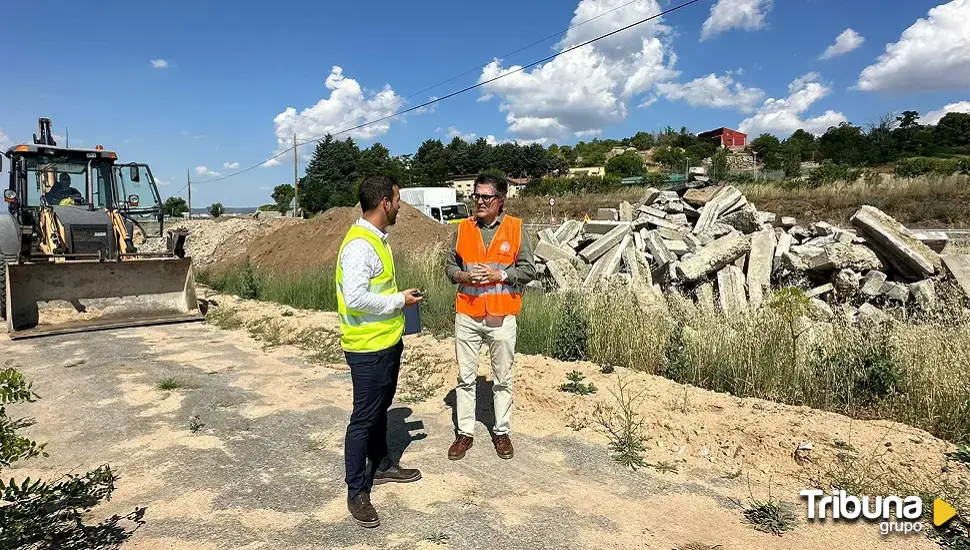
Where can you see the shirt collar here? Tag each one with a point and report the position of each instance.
(498, 220)
(372, 228)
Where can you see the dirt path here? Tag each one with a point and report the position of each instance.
(266, 471)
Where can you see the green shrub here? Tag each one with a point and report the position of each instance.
(830, 173)
(920, 166)
(571, 330)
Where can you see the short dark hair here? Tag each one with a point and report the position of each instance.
(500, 184)
(373, 190)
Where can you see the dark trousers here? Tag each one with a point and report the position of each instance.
(374, 376)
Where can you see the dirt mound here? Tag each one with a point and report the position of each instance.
(295, 248)
(223, 240)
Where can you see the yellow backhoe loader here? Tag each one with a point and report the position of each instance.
(69, 244)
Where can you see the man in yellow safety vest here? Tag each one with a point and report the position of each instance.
(369, 306)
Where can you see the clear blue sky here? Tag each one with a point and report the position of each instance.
(231, 67)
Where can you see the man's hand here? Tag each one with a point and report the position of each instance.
(409, 297)
(484, 274)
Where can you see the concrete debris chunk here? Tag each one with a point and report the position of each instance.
(800, 233)
(547, 235)
(731, 293)
(626, 212)
(782, 247)
(870, 314)
(769, 218)
(678, 219)
(958, 267)
(672, 235)
(658, 249)
(744, 220)
(820, 291)
(760, 261)
(669, 196)
(699, 197)
(593, 228)
(691, 212)
(677, 248)
(603, 245)
(564, 274)
(872, 283)
(924, 293)
(652, 211)
(607, 214)
(615, 257)
(631, 263)
(569, 230)
(657, 222)
(639, 240)
(936, 240)
(549, 252)
(720, 204)
(788, 222)
(896, 292)
(820, 310)
(908, 255)
(693, 243)
(674, 207)
(831, 257)
(846, 282)
(822, 229)
(714, 257)
(649, 196)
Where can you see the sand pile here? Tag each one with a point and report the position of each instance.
(294, 248)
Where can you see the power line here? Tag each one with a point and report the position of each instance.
(459, 92)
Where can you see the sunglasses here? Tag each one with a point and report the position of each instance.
(484, 198)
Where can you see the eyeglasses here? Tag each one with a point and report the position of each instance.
(484, 198)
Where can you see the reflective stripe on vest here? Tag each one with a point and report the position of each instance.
(361, 331)
(498, 299)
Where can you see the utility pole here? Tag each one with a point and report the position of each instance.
(67, 137)
(296, 180)
(188, 178)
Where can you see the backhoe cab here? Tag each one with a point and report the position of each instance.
(75, 220)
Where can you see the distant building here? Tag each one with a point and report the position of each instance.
(463, 184)
(725, 137)
(592, 171)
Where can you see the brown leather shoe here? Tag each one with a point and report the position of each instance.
(503, 446)
(460, 447)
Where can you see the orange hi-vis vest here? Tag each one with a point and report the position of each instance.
(498, 299)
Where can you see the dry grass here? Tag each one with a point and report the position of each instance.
(536, 209)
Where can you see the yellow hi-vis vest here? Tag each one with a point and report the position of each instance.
(363, 332)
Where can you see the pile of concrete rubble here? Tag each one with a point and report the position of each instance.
(715, 244)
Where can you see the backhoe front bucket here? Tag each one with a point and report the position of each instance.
(83, 295)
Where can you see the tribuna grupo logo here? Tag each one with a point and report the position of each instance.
(895, 514)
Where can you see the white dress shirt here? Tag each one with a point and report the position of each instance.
(360, 263)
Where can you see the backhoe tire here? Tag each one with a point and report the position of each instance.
(3, 290)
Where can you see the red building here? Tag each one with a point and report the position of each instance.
(726, 137)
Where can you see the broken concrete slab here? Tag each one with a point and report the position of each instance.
(657, 222)
(649, 196)
(897, 292)
(872, 284)
(924, 293)
(595, 272)
(936, 240)
(652, 211)
(800, 233)
(744, 220)
(846, 282)
(615, 258)
(691, 212)
(820, 310)
(693, 243)
(679, 219)
(626, 212)
(958, 267)
(704, 294)
(639, 240)
(549, 236)
(672, 235)
(782, 247)
(726, 198)
(564, 274)
(607, 214)
(678, 248)
(714, 257)
(549, 252)
(731, 293)
(742, 202)
(908, 255)
(699, 197)
(569, 231)
(631, 263)
(601, 227)
(606, 243)
(760, 260)
(674, 207)
(788, 222)
(669, 196)
(820, 290)
(831, 257)
(661, 254)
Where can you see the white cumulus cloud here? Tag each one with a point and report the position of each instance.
(934, 117)
(347, 103)
(844, 43)
(205, 172)
(159, 63)
(931, 55)
(470, 136)
(748, 15)
(719, 92)
(783, 116)
(230, 165)
(5, 142)
(588, 88)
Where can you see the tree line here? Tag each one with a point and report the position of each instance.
(337, 166)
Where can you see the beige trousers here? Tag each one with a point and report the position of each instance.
(498, 333)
